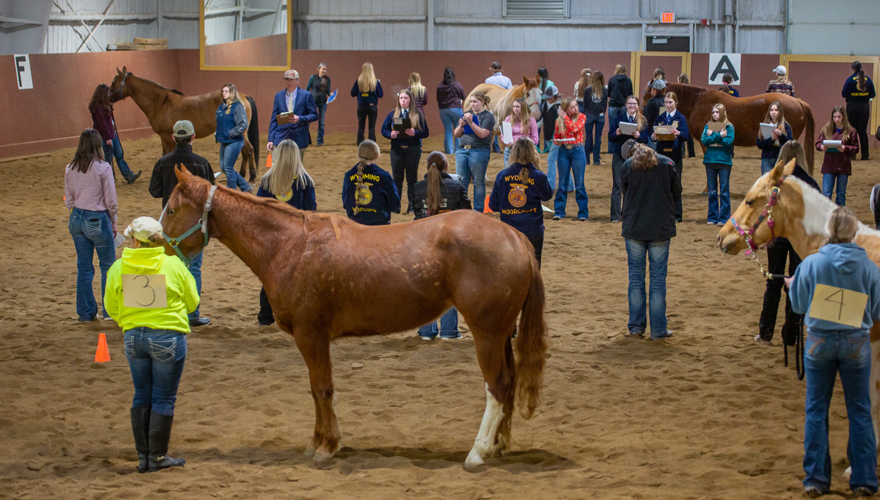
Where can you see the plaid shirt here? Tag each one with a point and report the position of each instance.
(783, 86)
(573, 130)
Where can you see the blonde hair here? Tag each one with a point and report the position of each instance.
(480, 96)
(842, 226)
(287, 169)
(620, 69)
(829, 127)
(415, 84)
(524, 153)
(723, 114)
(640, 118)
(367, 80)
(780, 124)
(524, 117)
(598, 84)
(233, 96)
(368, 151)
(643, 157)
(793, 150)
(564, 106)
(584, 81)
(412, 110)
(436, 164)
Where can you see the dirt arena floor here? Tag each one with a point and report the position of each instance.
(708, 414)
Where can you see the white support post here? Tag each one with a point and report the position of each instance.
(239, 35)
(277, 13)
(88, 30)
(429, 28)
(92, 31)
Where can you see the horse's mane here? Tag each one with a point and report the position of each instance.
(156, 84)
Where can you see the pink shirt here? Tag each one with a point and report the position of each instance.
(93, 190)
(518, 134)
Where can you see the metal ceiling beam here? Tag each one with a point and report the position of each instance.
(4, 19)
(92, 31)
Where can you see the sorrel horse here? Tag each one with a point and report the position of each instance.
(501, 99)
(164, 107)
(745, 113)
(799, 213)
(328, 277)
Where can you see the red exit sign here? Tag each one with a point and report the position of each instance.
(667, 17)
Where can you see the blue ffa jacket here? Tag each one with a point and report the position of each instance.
(231, 126)
(851, 90)
(520, 204)
(303, 199)
(367, 98)
(403, 140)
(727, 89)
(770, 151)
(843, 265)
(304, 107)
(672, 149)
(378, 200)
(615, 142)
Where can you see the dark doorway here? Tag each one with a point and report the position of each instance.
(668, 43)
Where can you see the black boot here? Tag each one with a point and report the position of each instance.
(133, 177)
(140, 427)
(160, 434)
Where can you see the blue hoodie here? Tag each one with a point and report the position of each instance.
(520, 205)
(843, 265)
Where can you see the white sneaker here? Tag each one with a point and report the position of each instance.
(556, 217)
(761, 340)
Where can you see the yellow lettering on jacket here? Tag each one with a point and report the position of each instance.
(512, 178)
(367, 177)
(517, 211)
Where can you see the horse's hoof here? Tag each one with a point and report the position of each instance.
(322, 456)
(309, 452)
(473, 460)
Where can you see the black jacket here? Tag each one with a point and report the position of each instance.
(163, 180)
(454, 196)
(652, 111)
(619, 88)
(649, 198)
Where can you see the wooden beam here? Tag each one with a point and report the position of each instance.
(92, 31)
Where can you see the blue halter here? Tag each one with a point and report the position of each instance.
(201, 224)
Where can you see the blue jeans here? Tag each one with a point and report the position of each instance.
(115, 151)
(719, 194)
(449, 117)
(593, 137)
(552, 172)
(828, 181)
(195, 268)
(826, 354)
(615, 111)
(658, 257)
(156, 359)
(91, 232)
(448, 326)
(322, 113)
(767, 165)
(571, 162)
(228, 155)
(472, 163)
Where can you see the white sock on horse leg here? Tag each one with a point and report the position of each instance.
(484, 444)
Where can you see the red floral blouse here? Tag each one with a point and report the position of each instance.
(573, 130)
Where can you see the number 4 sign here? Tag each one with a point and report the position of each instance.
(144, 291)
(838, 305)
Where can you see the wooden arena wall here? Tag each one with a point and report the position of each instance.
(52, 115)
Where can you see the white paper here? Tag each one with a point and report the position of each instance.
(217, 174)
(547, 209)
(627, 128)
(568, 139)
(118, 240)
(506, 133)
(832, 144)
(767, 130)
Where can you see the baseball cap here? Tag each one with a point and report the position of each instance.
(142, 228)
(779, 70)
(183, 128)
(659, 84)
(291, 74)
(550, 91)
(627, 148)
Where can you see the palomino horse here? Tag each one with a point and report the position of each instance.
(501, 99)
(745, 113)
(164, 107)
(798, 212)
(328, 277)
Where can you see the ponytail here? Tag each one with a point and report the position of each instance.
(436, 163)
(368, 151)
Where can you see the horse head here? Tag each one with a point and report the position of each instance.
(765, 213)
(533, 95)
(186, 210)
(118, 91)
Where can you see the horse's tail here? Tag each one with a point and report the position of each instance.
(253, 132)
(809, 147)
(531, 345)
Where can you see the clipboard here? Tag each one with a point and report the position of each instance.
(627, 128)
(716, 126)
(767, 130)
(664, 132)
(401, 124)
(467, 128)
(284, 118)
(507, 133)
(832, 146)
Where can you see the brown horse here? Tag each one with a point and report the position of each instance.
(164, 107)
(328, 277)
(799, 214)
(745, 113)
(501, 99)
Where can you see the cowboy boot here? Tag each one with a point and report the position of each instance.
(160, 434)
(140, 427)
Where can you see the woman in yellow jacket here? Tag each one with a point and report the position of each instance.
(150, 294)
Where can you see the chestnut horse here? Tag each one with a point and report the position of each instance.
(328, 277)
(745, 113)
(799, 214)
(164, 107)
(501, 99)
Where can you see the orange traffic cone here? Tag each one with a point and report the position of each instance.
(269, 161)
(102, 355)
(486, 209)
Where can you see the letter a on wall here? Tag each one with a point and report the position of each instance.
(719, 64)
(23, 71)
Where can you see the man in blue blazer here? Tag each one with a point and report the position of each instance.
(296, 127)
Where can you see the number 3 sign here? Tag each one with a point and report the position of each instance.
(144, 291)
(838, 305)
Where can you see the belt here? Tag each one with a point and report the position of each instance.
(465, 147)
(569, 146)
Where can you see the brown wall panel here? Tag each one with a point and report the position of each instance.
(261, 51)
(670, 64)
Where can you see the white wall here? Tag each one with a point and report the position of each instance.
(820, 27)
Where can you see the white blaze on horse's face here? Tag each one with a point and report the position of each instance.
(533, 99)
